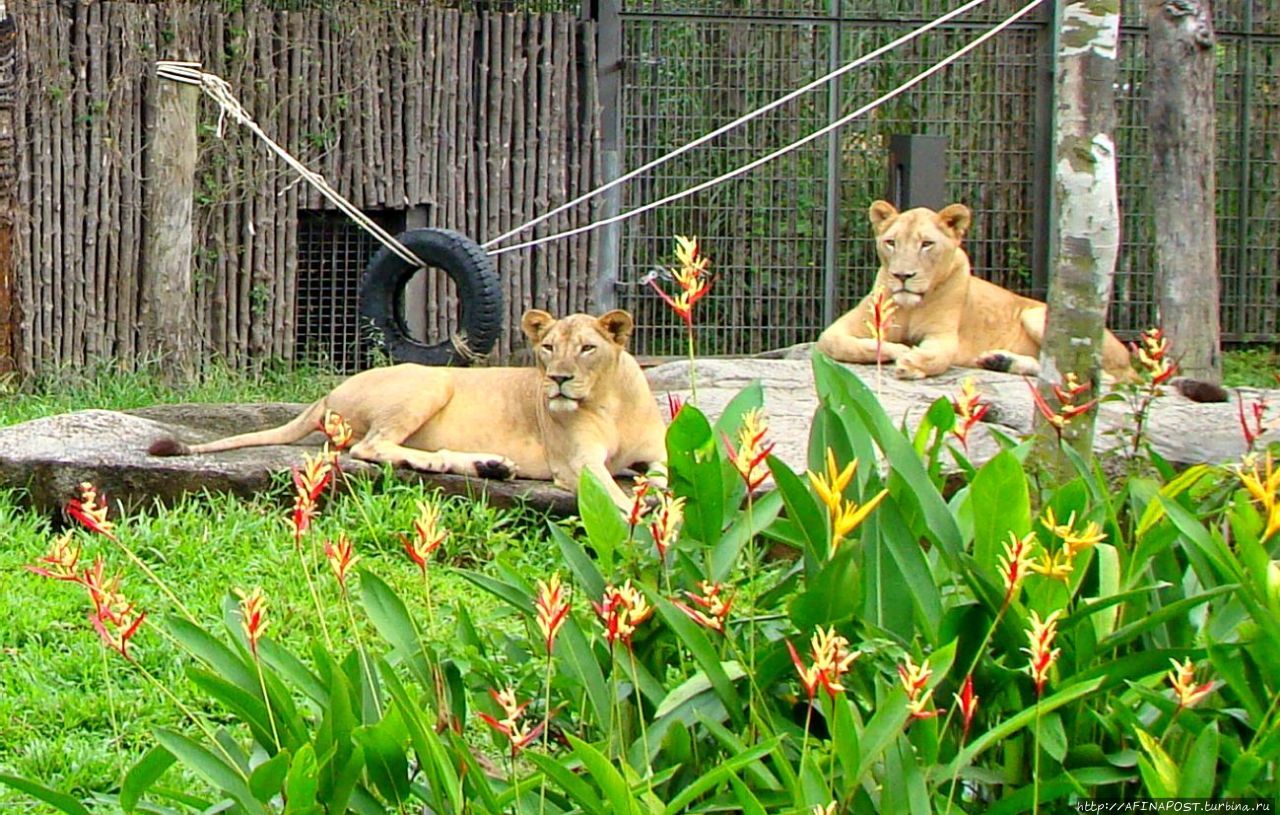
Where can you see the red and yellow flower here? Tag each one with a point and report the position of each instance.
(253, 616)
(915, 681)
(90, 511)
(1015, 562)
(1183, 680)
(336, 428)
(511, 724)
(551, 602)
(831, 660)
(881, 319)
(1041, 653)
(1152, 352)
(1066, 393)
(621, 611)
(341, 556)
(1263, 487)
(967, 701)
(710, 606)
(969, 408)
(749, 456)
(428, 534)
(665, 522)
(691, 277)
(59, 563)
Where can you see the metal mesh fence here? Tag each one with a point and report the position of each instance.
(692, 65)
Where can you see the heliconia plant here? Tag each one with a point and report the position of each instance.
(923, 636)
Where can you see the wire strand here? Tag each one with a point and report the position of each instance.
(743, 119)
(746, 168)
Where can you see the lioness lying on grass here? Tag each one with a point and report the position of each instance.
(584, 406)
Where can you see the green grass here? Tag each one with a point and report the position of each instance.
(1254, 366)
(71, 717)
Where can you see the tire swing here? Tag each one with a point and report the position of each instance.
(382, 298)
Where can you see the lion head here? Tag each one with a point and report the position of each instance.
(575, 354)
(917, 248)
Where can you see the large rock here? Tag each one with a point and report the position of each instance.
(49, 457)
(1182, 431)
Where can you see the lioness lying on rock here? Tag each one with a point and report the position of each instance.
(584, 406)
(945, 316)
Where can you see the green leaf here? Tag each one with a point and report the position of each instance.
(267, 779)
(603, 773)
(802, 508)
(909, 557)
(390, 616)
(289, 668)
(838, 386)
(434, 762)
(829, 596)
(576, 659)
(694, 472)
(58, 800)
(578, 790)
(385, 761)
(606, 528)
(215, 769)
(1174, 611)
(999, 494)
(142, 775)
(302, 784)
(1203, 540)
(745, 525)
(1200, 769)
(247, 707)
(1053, 737)
(580, 563)
(214, 653)
(721, 772)
(1159, 773)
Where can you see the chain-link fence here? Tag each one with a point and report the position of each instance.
(792, 230)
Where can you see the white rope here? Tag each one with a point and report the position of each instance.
(219, 91)
(746, 168)
(743, 119)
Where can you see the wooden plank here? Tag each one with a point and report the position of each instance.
(542, 287)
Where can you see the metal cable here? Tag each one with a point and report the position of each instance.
(743, 119)
(746, 168)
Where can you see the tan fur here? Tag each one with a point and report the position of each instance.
(945, 316)
(585, 406)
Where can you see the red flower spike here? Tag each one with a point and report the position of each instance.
(710, 609)
(552, 605)
(59, 563)
(90, 511)
(116, 631)
(342, 556)
(967, 702)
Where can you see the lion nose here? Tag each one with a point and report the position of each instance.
(559, 379)
(904, 276)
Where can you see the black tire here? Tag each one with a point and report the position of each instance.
(382, 296)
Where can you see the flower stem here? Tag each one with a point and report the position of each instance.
(644, 732)
(271, 716)
(693, 374)
(1035, 763)
(311, 586)
(364, 655)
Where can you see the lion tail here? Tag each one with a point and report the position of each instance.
(296, 429)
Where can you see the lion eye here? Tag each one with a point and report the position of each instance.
(926, 244)
(587, 349)
(890, 243)
(548, 347)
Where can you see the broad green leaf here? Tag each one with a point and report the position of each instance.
(386, 763)
(802, 508)
(511, 595)
(886, 595)
(58, 800)
(602, 771)
(213, 653)
(142, 775)
(828, 596)
(1204, 541)
(1051, 789)
(266, 781)
(748, 523)
(1174, 611)
(291, 669)
(578, 790)
(390, 616)
(1200, 769)
(605, 526)
(1159, 773)
(1184, 481)
(744, 798)
(246, 706)
(1002, 506)
(213, 768)
(718, 775)
(579, 562)
(726, 432)
(837, 383)
(693, 687)
(433, 761)
(576, 659)
(694, 473)
(1053, 737)
(881, 730)
(1104, 623)
(302, 784)
(909, 557)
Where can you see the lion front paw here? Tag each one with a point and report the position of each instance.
(995, 361)
(904, 370)
(499, 469)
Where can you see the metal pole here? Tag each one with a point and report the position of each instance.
(608, 18)
(1246, 189)
(832, 225)
(1042, 216)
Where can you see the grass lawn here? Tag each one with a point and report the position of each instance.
(71, 714)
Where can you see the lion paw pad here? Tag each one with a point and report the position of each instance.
(996, 361)
(497, 469)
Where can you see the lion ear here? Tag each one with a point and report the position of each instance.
(955, 217)
(535, 323)
(881, 213)
(617, 325)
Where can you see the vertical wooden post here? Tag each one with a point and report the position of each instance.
(1180, 104)
(8, 194)
(167, 329)
(1085, 215)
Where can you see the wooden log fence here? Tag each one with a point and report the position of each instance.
(477, 123)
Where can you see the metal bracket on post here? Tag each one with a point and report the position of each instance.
(917, 171)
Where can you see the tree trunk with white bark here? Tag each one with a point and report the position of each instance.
(1085, 215)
